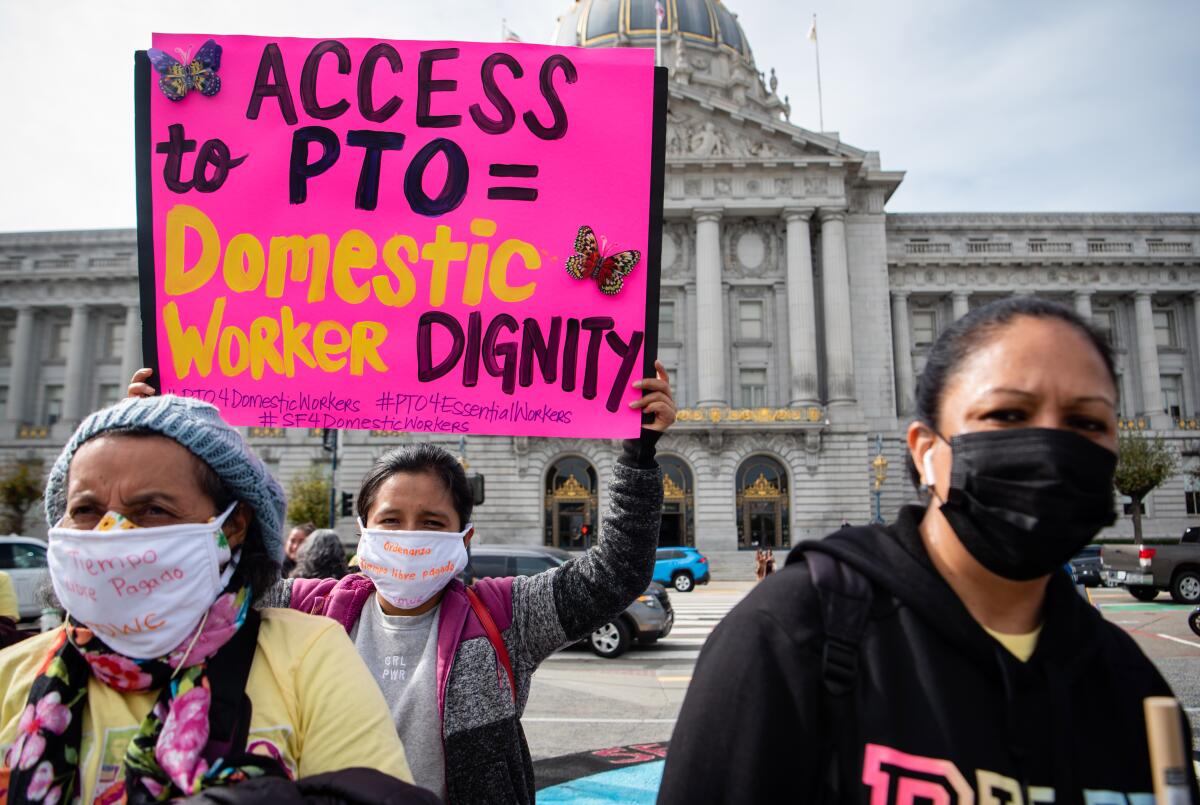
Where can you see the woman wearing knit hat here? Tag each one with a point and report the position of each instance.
(165, 680)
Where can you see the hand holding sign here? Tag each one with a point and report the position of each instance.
(659, 401)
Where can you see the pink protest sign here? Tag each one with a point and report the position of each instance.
(391, 235)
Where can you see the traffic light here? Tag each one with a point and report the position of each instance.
(347, 504)
(329, 440)
(476, 481)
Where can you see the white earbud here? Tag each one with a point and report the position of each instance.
(928, 464)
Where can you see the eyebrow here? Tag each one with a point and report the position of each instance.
(141, 497)
(421, 513)
(1030, 395)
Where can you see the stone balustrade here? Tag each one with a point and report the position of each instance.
(1109, 247)
(1050, 247)
(989, 247)
(1169, 246)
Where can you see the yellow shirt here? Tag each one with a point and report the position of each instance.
(8, 598)
(314, 700)
(1020, 646)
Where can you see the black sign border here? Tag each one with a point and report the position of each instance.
(145, 215)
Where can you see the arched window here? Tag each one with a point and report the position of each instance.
(571, 504)
(678, 504)
(762, 504)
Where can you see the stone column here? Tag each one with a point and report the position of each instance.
(686, 385)
(802, 319)
(1147, 350)
(961, 304)
(902, 353)
(23, 360)
(131, 355)
(835, 280)
(1196, 322)
(1083, 305)
(710, 310)
(76, 389)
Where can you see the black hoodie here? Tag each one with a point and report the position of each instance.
(942, 711)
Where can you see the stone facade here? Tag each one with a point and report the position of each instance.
(795, 311)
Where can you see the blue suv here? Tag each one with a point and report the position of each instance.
(682, 568)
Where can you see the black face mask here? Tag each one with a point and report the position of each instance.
(1024, 501)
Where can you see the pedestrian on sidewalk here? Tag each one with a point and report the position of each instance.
(945, 655)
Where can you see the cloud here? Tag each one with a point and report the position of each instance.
(1074, 105)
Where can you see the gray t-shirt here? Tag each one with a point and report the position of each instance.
(401, 651)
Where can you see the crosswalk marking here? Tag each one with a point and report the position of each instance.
(696, 615)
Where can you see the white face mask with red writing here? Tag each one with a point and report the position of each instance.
(410, 567)
(141, 590)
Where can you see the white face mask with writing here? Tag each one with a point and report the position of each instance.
(410, 567)
(141, 590)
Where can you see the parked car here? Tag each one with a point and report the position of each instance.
(681, 568)
(24, 560)
(646, 620)
(1146, 570)
(1085, 566)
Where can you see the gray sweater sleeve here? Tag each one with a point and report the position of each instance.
(563, 605)
(279, 595)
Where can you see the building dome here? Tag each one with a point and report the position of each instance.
(630, 23)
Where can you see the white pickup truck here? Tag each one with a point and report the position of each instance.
(24, 560)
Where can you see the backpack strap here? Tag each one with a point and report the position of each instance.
(845, 599)
(493, 636)
(230, 710)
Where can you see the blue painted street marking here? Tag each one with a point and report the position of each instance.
(634, 785)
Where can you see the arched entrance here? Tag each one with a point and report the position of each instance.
(571, 504)
(677, 529)
(762, 504)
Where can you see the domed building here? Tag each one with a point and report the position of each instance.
(794, 318)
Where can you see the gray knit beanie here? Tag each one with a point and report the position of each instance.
(198, 427)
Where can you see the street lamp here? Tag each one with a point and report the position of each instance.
(879, 464)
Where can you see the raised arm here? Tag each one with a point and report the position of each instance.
(562, 605)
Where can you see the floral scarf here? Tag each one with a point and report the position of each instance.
(165, 759)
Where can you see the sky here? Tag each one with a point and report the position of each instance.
(1013, 105)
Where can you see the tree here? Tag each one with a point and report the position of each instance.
(308, 499)
(20, 488)
(1142, 464)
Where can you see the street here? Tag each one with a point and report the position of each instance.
(581, 703)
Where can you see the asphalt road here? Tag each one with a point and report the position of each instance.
(580, 702)
(1160, 628)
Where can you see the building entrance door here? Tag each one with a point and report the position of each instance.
(671, 534)
(572, 523)
(678, 504)
(762, 523)
(762, 504)
(571, 504)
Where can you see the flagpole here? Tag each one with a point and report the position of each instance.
(657, 36)
(820, 102)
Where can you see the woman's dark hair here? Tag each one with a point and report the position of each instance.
(971, 332)
(417, 458)
(255, 567)
(321, 556)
